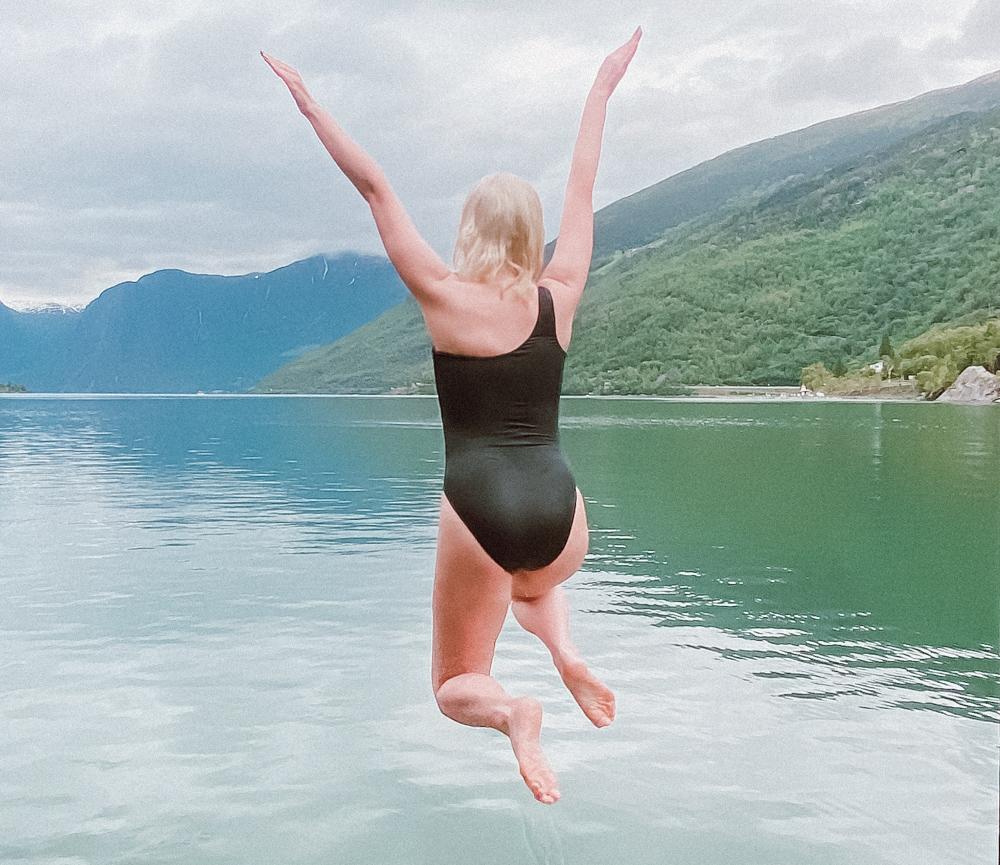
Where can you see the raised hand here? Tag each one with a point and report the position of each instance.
(292, 80)
(615, 64)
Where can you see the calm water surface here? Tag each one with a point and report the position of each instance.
(215, 638)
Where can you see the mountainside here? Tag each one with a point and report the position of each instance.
(28, 340)
(645, 215)
(390, 352)
(173, 331)
(819, 269)
(818, 266)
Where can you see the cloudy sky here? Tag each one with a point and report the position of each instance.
(141, 135)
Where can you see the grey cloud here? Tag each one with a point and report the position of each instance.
(143, 135)
(975, 40)
(875, 69)
(982, 29)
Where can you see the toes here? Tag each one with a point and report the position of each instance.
(603, 713)
(543, 793)
(542, 784)
(607, 705)
(594, 697)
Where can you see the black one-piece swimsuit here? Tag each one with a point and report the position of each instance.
(505, 474)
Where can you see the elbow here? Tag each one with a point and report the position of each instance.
(374, 189)
(573, 277)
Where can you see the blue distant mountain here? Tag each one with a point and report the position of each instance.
(177, 332)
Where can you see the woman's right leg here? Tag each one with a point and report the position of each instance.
(547, 617)
(539, 603)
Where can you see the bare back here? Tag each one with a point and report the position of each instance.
(472, 318)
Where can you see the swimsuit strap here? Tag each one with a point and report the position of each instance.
(546, 323)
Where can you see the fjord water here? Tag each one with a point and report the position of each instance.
(215, 637)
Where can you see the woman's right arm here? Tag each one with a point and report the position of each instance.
(570, 262)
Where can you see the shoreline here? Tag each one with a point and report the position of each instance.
(699, 398)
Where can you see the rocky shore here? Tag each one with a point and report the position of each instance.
(975, 385)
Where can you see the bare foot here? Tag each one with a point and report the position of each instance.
(593, 696)
(524, 729)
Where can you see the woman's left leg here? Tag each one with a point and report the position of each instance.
(470, 602)
(547, 617)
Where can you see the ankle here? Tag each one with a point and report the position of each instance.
(568, 661)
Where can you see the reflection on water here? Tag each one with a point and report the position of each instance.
(864, 540)
(216, 632)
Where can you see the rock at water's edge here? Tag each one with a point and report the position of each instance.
(975, 384)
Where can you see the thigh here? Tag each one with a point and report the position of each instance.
(470, 602)
(531, 584)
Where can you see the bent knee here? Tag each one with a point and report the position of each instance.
(448, 693)
(454, 695)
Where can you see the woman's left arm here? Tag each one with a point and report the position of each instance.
(420, 268)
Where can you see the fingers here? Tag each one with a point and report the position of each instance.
(277, 65)
(291, 78)
(632, 43)
(270, 61)
(615, 64)
(623, 54)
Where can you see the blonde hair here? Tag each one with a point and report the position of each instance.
(501, 225)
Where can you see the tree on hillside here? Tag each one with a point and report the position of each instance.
(815, 376)
(887, 355)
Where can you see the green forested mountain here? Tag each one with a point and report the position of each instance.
(391, 352)
(819, 269)
(644, 216)
(816, 268)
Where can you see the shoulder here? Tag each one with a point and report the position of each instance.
(438, 293)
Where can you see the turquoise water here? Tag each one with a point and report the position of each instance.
(215, 637)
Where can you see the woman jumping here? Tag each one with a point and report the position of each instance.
(513, 525)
